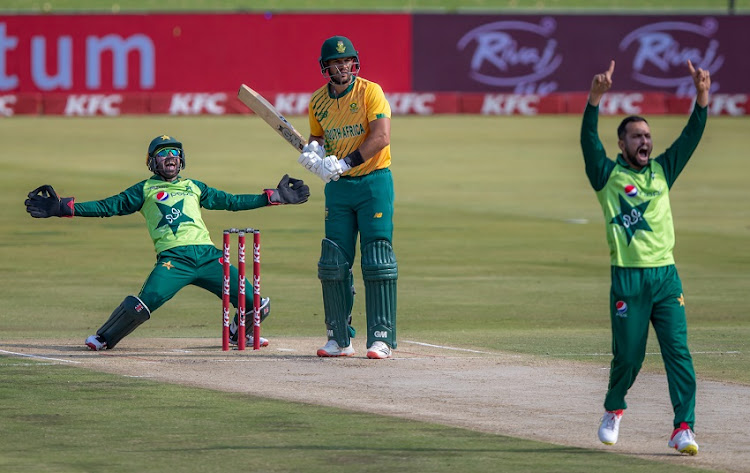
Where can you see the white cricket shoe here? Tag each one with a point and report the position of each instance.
(609, 429)
(265, 309)
(249, 339)
(683, 440)
(379, 351)
(95, 343)
(333, 349)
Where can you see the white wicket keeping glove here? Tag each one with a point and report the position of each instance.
(309, 160)
(314, 147)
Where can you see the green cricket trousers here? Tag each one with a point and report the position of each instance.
(361, 205)
(199, 265)
(639, 296)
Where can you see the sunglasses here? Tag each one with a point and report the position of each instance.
(167, 152)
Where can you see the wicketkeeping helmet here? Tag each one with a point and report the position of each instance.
(163, 141)
(337, 47)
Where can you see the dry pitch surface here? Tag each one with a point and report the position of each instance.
(500, 393)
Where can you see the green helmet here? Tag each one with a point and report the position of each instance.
(163, 141)
(336, 47)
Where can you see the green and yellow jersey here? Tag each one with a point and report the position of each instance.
(172, 209)
(344, 121)
(636, 207)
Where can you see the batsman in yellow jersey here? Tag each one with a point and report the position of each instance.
(349, 148)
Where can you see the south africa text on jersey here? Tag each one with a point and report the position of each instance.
(345, 132)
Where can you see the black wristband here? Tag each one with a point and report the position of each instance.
(354, 158)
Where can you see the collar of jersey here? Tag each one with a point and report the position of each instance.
(621, 161)
(348, 89)
(158, 177)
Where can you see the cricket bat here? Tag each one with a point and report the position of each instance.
(270, 115)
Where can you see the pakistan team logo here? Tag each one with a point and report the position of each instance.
(172, 216)
(631, 218)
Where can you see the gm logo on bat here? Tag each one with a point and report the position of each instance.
(290, 136)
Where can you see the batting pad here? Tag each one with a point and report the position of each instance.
(334, 275)
(380, 273)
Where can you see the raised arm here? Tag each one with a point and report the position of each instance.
(600, 84)
(674, 158)
(702, 82)
(598, 166)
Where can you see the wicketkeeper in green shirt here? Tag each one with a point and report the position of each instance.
(633, 191)
(185, 254)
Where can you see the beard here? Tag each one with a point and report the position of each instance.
(338, 78)
(637, 158)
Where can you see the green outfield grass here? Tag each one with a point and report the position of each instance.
(575, 6)
(60, 419)
(487, 252)
(500, 243)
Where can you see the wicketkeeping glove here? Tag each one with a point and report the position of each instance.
(289, 191)
(43, 202)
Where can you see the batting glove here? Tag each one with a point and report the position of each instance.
(332, 168)
(309, 160)
(314, 147)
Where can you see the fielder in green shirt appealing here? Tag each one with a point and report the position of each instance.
(185, 254)
(633, 191)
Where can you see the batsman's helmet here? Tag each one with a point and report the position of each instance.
(163, 141)
(336, 47)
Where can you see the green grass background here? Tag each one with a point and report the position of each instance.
(488, 259)
(487, 254)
